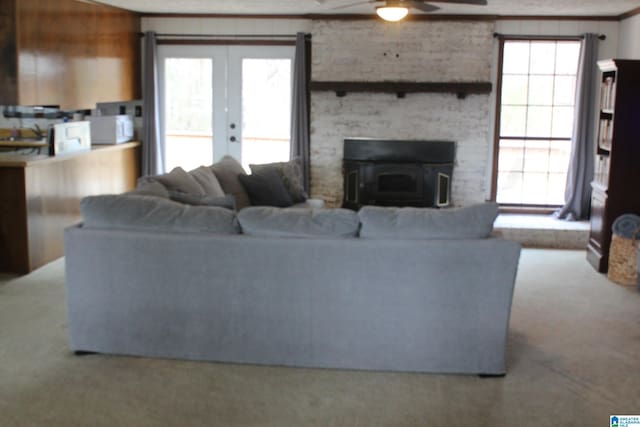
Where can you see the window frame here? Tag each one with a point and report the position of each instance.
(515, 208)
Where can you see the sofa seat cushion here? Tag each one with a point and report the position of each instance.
(266, 188)
(298, 222)
(227, 170)
(473, 222)
(154, 213)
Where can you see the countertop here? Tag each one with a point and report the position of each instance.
(24, 160)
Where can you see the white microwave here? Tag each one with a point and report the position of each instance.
(111, 129)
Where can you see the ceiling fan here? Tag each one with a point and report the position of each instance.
(395, 10)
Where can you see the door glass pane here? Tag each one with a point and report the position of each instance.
(188, 112)
(513, 121)
(539, 121)
(266, 110)
(543, 58)
(514, 90)
(511, 158)
(541, 90)
(562, 122)
(564, 90)
(567, 56)
(516, 58)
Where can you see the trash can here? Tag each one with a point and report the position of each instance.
(623, 252)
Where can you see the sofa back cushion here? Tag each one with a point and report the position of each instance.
(227, 171)
(473, 222)
(294, 222)
(227, 201)
(150, 188)
(154, 213)
(205, 177)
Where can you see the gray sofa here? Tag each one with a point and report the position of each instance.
(297, 288)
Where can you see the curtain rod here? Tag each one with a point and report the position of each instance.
(214, 36)
(543, 37)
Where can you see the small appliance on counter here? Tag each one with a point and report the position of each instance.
(69, 137)
(111, 129)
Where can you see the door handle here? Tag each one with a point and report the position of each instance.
(232, 139)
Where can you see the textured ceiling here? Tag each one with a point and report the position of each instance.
(297, 7)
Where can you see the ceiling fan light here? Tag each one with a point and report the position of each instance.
(392, 13)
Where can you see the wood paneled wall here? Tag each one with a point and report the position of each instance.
(73, 54)
(8, 54)
(39, 199)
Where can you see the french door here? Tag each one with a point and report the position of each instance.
(219, 100)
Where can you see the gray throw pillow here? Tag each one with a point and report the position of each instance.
(208, 181)
(473, 222)
(153, 213)
(176, 180)
(227, 171)
(293, 222)
(291, 173)
(226, 201)
(150, 188)
(266, 189)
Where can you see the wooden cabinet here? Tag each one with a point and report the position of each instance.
(40, 196)
(67, 53)
(617, 167)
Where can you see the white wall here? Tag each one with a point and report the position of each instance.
(225, 26)
(629, 42)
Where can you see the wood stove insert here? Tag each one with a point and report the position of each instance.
(388, 172)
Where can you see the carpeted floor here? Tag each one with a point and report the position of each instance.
(574, 359)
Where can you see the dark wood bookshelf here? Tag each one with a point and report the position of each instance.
(617, 163)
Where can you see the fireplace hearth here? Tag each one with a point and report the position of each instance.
(388, 172)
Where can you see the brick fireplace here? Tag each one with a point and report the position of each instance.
(371, 51)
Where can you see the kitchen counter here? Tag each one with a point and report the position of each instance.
(40, 196)
(21, 160)
(24, 144)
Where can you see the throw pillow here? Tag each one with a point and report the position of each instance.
(176, 180)
(473, 222)
(226, 201)
(293, 222)
(266, 189)
(208, 181)
(291, 173)
(153, 213)
(227, 171)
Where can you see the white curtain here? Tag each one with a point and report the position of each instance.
(152, 150)
(581, 163)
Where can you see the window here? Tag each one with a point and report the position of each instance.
(535, 121)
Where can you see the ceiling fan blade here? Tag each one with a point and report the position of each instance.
(474, 2)
(421, 6)
(345, 6)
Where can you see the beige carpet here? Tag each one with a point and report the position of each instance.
(574, 359)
